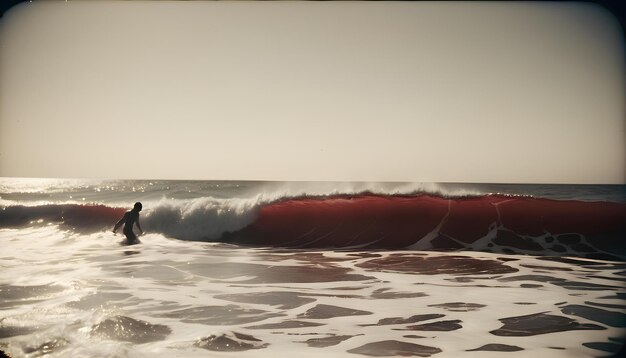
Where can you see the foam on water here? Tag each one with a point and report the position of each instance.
(86, 295)
(201, 219)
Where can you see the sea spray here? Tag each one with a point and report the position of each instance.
(203, 219)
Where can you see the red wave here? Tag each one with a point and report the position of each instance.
(489, 223)
(402, 221)
(345, 221)
(535, 216)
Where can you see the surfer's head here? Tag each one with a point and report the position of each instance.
(137, 206)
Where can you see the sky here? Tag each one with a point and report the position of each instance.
(519, 92)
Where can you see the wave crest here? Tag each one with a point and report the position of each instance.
(200, 219)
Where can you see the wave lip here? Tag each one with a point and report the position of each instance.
(202, 219)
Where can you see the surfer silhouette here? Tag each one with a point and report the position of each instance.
(129, 219)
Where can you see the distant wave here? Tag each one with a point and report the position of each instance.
(81, 217)
(283, 190)
(498, 223)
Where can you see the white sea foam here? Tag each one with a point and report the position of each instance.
(200, 219)
(294, 189)
(79, 281)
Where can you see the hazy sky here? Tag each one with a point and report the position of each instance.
(465, 92)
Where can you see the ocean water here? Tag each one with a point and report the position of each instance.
(242, 269)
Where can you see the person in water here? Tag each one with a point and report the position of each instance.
(129, 219)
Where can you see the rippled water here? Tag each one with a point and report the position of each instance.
(74, 295)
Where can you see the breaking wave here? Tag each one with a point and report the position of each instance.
(497, 223)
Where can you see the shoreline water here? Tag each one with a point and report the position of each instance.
(184, 298)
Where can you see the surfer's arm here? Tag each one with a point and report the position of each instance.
(119, 223)
(138, 226)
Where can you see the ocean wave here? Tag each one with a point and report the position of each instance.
(76, 216)
(205, 219)
(498, 223)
